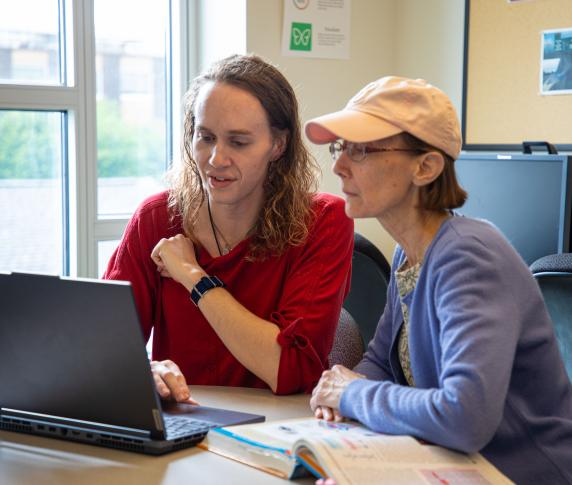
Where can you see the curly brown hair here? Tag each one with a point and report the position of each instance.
(286, 212)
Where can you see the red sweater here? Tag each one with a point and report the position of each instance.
(300, 291)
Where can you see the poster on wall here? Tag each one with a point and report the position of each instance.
(556, 62)
(316, 28)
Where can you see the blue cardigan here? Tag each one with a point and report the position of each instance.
(487, 369)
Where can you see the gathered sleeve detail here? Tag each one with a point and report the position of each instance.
(297, 349)
(288, 336)
(317, 282)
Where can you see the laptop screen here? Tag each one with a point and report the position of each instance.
(73, 348)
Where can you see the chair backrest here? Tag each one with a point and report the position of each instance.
(348, 345)
(370, 278)
(554, 276)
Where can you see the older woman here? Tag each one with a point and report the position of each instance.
(464, 355)
(240, 268)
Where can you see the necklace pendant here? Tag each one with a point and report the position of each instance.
(226, 250)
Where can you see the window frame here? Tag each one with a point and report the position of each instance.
(83, 229)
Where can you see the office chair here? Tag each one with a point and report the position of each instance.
(554, 276)
(368, 292)
(348, 344)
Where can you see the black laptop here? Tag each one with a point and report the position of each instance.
(73, 365)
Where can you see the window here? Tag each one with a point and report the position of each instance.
(32, 195)
(104, 251)
(133, 146)
(30, 45)
(86, 90)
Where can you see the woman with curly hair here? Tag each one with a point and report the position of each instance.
(241, 267)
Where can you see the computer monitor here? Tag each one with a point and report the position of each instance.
(526, 196)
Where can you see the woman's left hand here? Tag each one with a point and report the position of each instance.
(326, 396)
(175, 258)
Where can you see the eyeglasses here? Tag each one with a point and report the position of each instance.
(358, 151)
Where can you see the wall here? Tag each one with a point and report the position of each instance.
(431, 36)
(221, 28)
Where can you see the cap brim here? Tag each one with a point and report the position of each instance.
(350, 125)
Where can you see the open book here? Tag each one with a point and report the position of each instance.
(347, 452)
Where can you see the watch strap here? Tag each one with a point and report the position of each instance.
(205, 284)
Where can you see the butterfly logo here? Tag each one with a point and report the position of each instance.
(302, 37)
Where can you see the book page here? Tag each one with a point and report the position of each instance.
(351, 454)
(270, 434)
(354, 455)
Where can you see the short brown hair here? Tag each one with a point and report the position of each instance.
(286, 209)
(444, 193)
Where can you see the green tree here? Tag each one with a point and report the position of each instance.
(30, 144)
(127, 149)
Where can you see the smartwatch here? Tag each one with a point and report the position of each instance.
(205, 284)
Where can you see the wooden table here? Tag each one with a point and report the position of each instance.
(27, 459)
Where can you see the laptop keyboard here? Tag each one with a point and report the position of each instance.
(177, 426)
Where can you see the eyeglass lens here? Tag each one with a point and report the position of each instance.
(356, 151)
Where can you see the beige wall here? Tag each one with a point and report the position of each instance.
(416, 38)
(221, 26)
(430, 46)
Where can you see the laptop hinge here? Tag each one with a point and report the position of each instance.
(159, 432)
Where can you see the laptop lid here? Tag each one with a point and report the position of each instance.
(73, 348)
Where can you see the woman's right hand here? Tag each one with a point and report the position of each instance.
(327, 394)
(170, 381)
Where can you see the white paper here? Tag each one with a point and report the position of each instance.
(316, 28)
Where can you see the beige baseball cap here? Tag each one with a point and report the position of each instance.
(389, 106)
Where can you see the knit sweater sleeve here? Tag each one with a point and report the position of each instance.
(476, 324)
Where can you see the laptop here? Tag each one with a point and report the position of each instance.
(73, 365)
